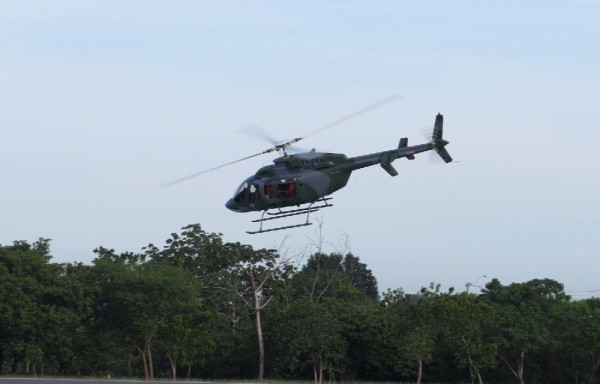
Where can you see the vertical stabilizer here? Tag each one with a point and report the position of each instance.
(437, 139)
(438, 128)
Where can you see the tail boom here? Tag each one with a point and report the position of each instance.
(385, 158)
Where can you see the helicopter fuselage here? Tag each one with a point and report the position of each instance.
(291, 181)
(307, 177)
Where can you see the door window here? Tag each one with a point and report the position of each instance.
(287, 189)
(268, 191)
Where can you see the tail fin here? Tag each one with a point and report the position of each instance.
(437, 139)
(438, 128)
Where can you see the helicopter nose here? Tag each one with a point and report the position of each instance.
(230, 204)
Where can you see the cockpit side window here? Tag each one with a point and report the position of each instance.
(253, 192)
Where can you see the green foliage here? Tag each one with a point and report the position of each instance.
(410, 330)
(360, 276)
(309, 339)
(194, 308)
(324, 274)
(138, 300)
(41, 310)
(467, 326)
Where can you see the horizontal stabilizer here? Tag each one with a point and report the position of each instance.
(444, 154)
(389, 168)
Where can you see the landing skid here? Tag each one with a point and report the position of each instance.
(287, 213)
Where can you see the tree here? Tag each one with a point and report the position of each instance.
(229, 274)
(138, 299)
(334, 286)
(362, 332)
(40, 310)
(186, 338)
(523, 310)
(324, 273)
(321, 275)
(360, 276)
(465, 323)
(212, 263)
(67, 310)
(309, 336)
(589, 340)
(201, 252)
(258, 273)
(410, 330)
(574, 328)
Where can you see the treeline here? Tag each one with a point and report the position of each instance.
(201, 308)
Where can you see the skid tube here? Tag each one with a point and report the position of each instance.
(294, 212)
(301, 210)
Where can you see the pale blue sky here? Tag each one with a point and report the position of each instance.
(103, 101)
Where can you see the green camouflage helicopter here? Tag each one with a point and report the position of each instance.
(308, 178)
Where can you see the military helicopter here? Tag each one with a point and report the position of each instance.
(281, 189)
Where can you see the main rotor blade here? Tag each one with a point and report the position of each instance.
(182, 179)
(258, 132)
(362, 111)
(283, 145)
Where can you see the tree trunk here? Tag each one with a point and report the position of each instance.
(259, 334)
(14, 366)
(318, 368)
(144, 361)
(592, 373)
(150, 365)
(321, 369)
(521, 364)
(472, 371)
(472, 376)
(173, 366)
(420, 371)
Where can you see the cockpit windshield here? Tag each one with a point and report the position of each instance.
(240, 193)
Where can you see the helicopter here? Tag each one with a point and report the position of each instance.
(300, 184)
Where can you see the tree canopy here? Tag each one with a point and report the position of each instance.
(201, 307)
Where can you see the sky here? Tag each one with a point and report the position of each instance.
(104, 101)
